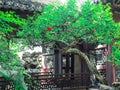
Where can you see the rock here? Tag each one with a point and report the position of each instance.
(105, 87)
(116, 85)
(30, 60)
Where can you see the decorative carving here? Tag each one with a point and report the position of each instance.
(116, 8)
(116, 3)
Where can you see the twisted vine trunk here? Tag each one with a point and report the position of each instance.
(90, 66)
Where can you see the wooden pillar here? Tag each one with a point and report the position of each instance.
(84, 67)
(109, 73)
(67, 64)
(109, 69)
(58, 62)
(114, 74)
(72, 63)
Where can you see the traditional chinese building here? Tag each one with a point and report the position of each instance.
(67, 65)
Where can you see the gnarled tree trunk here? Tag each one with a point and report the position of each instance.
(90, 65)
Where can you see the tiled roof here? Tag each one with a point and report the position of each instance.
(34, 5)
(31, 5)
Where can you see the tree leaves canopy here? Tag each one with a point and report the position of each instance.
(91, 22)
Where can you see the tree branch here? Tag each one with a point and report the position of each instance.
(90, 65)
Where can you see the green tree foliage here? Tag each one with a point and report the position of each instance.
(10, 65)
(115, 55)
(91, 22)
(71, 24)
(9, 21)
(67, 23)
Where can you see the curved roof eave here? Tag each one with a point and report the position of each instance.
(30, 5)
